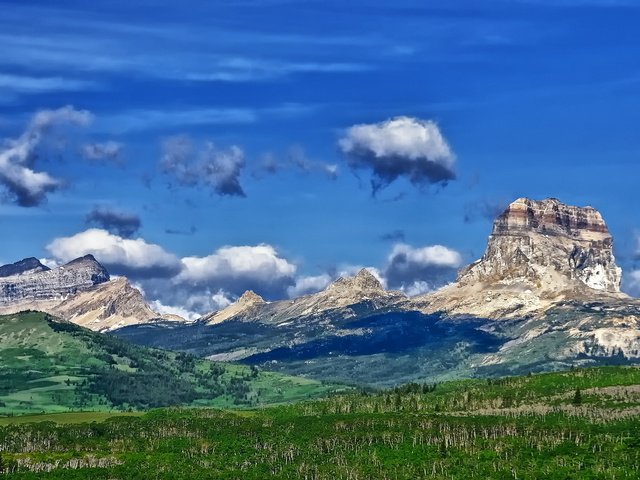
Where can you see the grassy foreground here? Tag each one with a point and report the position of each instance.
(582, 424)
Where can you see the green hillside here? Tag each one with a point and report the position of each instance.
(581, 424)
(51, 366)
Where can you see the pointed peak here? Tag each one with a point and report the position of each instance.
(88, 258)
(250, 298)
(25, 265)
(89, 264)
(363, 280)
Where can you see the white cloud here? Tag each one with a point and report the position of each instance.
(399, 147)
(221, 300)
(159, 307)
(25, 186)
(434, 255)
(49, 262)
(309, 284)
(418, 270)
(125, 256)
(261, 262)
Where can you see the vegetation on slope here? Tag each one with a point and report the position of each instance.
(50, 366)
(514, 428)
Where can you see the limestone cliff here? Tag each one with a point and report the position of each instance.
(51, 284)
(80, 291)
(548, 245)
(539, 253)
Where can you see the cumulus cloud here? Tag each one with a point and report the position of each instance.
(103, 152)
(206, 284)
(204, 165)
(305, 285)
(121, 256)
(417, 270)
(295, 159)
(399, 147)
(23, 185)
(118, 222)
(240, 268)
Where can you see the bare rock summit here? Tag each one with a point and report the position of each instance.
(539, 253)
(80, 291)
(549, 245)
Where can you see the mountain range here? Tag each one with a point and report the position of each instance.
(80, 291)
(544, 296)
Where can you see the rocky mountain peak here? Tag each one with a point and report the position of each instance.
(248, 302)
(26, 265)
(549, 246)
(43, 284)
(250, 298)
(364, 280)
(551, 217)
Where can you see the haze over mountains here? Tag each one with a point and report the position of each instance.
(545, 295)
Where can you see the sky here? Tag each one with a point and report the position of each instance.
(205, 148)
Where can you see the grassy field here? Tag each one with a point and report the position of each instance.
(48, 366)
(582, 424)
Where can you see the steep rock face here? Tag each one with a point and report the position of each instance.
(539, 254)
(106, 306)
(548, 245)
(39, 284)
(80, 291)
(247, 303)
(27, 265)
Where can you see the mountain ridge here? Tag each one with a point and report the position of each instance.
(529, 304)
(80, 291)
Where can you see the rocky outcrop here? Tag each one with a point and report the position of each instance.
(80, 291)
(548, 244)
(51, 284)
(27, 265)
(247, 303)
(539, 254)
(107, 306)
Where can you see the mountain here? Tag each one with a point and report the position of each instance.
(539, 254)
(27, 265)
(52, 365)
(363, 289)
(544, 296)
(80, 291)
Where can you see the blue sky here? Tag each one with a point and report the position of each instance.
(195, 126)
